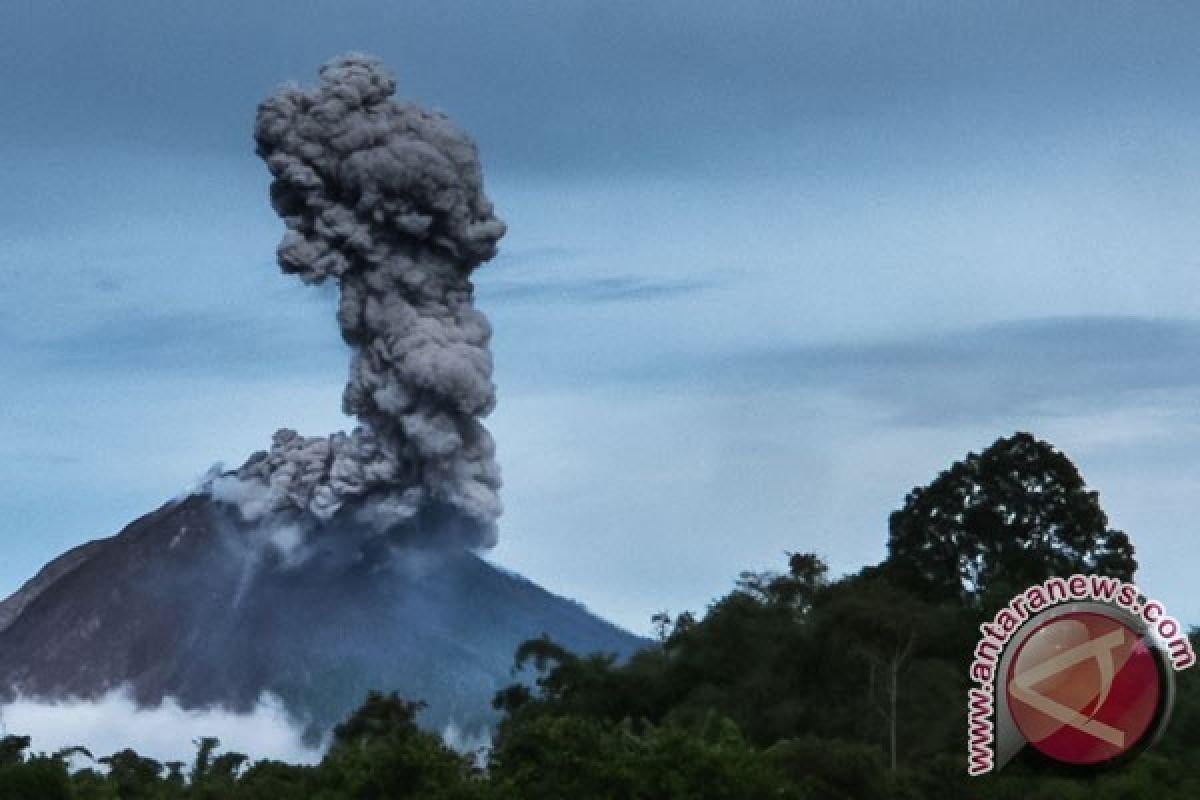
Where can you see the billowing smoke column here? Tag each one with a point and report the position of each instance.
(386, 200)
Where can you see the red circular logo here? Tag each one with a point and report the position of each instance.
(1084, 688)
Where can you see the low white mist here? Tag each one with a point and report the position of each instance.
(165, 733)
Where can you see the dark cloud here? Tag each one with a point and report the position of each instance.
(579, 86)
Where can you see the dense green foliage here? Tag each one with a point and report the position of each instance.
(790, 686)
(1001, 520)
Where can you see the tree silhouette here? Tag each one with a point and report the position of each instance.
(12, 750)
(380, 752)
(382, 715)
(999, 521)
(134, 776)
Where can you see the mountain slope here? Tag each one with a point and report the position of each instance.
(179, 605)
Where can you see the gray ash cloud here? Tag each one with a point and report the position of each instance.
(386, 200)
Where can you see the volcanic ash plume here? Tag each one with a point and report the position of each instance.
(386, 200)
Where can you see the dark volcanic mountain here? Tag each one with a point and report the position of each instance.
(181, 604)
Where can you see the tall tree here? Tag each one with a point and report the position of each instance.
(1000, 520)
(381, 752)
(135, 777)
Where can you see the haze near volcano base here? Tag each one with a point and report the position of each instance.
(327, 566)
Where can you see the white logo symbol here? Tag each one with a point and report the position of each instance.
(1101, 649)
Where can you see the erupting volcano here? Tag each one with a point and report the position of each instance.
(329, 565)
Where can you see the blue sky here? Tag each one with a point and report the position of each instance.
(769, 266)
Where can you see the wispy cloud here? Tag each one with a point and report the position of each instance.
(620, 289)
(534, 255)
(1053, 366)
(216, 343)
